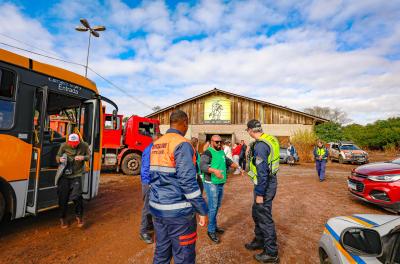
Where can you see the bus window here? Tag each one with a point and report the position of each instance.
(7, 105)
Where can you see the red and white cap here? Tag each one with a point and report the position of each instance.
(73, 138)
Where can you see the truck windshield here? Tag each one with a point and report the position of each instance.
(147, 129)
(349, 147)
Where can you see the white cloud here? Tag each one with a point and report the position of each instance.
(300, 66)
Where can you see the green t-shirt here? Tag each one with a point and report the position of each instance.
(218, 161)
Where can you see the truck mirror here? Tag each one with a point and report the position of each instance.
(361, 241)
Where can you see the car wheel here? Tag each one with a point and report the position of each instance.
(131, 164)
(341, 160)
(323, 257)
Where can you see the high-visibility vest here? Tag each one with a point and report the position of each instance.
(162, 153)
(273, 158)
(321, 152)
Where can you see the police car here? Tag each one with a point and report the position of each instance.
(361, 238)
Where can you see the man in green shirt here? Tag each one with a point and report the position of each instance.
(73, 154)
(214, 165)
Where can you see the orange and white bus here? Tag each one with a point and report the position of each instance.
(30, 94)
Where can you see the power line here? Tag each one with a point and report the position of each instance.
(29, 45)
(74, 63)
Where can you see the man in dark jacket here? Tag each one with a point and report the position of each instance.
(242, 155)
(264, 165)
(214, 165)
(175, 196)
(70, 183)
(146, 225)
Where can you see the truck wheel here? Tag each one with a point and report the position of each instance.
(131, 164)
(2, 206)
(341, 161)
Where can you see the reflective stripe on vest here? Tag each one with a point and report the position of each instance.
(273, 158)
(167, 207)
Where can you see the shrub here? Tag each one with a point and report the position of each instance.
(304, 142)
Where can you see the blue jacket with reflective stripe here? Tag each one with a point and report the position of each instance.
(174, 192)
(145, 168)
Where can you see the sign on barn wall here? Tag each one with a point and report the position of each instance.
(217, 110)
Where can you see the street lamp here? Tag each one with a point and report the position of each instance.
(92, 31)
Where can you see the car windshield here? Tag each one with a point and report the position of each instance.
(349, 147)
(397, 161)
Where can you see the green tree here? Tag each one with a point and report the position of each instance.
(329, 131)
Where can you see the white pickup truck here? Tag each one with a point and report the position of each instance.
(361, 238)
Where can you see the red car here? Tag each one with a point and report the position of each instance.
(377, 183)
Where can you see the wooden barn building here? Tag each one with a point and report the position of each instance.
(226, 114)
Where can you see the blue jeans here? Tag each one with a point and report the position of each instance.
(214, 192)
(320, 165)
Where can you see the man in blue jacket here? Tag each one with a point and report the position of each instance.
(321, 157)
(175, 196)
(146, 224)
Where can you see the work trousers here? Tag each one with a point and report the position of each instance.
(320, 166)
(146, 224)
(175, 237)
(70, 189)
(215, 193)
(262, 215)
(242, 163)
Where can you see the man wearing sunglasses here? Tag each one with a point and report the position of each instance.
(214, 165)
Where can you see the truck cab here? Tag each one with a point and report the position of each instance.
(123, 146)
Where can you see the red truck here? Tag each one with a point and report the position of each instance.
(123, 147)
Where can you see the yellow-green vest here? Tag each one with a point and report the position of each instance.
(273, 158)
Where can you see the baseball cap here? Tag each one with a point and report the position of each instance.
(73, 138)
(254, 123)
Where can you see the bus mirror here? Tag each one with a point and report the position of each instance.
(115, 113)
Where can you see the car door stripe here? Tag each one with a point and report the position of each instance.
(350, 257)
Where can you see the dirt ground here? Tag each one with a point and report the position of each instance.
(301, 208)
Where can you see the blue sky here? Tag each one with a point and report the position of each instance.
(298, 54)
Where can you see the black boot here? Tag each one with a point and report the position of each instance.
(254, 245)
(213, 237)
(219, 230)
(146, 238)
(264, 257)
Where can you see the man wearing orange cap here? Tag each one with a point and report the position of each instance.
(73, 154)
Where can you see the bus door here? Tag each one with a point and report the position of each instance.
(38, 131)
(88, 127)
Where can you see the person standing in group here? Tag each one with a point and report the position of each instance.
(195, 143)
(175, 196)
(73, 154)
(236, 153)
(291, 152)
(321, 157)
(264, 165)
(214, 165)
(242, 155)
(146, 225)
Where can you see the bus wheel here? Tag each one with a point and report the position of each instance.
(2, 206)
(131, 164)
